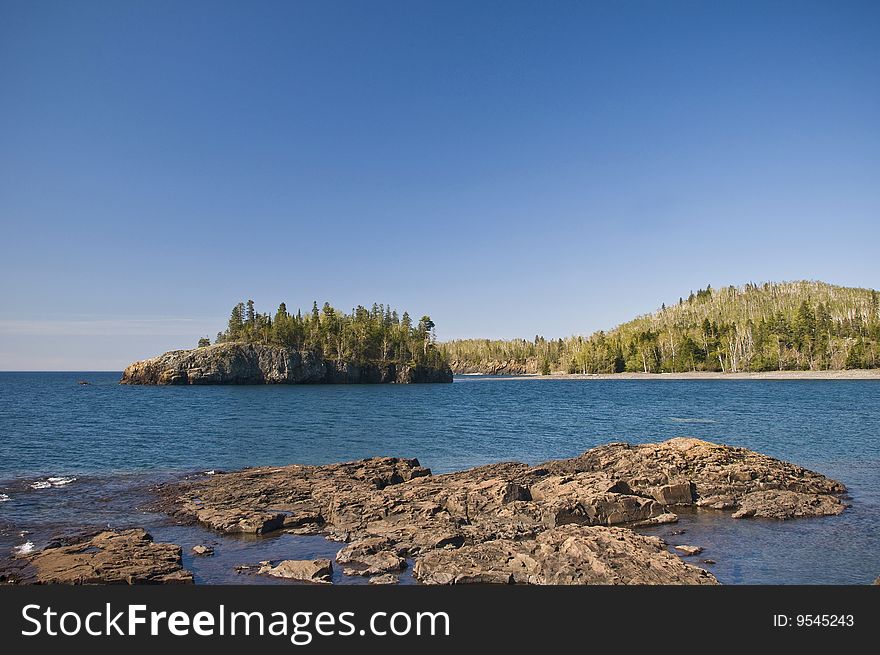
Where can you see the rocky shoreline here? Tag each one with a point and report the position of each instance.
(247, 363)
(565, 521)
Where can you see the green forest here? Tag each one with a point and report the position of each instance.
(785, 326)
(378, 334)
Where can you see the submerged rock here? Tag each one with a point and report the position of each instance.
(247, 363)
(109, 557)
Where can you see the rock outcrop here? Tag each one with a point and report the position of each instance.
(246, 363)
(690, 471)
(528, 366)
(110, 557)
(509, 522)
(568, 555)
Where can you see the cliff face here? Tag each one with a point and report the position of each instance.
(496, 367)
(245, 363)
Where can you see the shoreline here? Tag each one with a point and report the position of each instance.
(847, 374)
(402, 523)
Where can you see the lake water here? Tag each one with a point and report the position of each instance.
(118, 440)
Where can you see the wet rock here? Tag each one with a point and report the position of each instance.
(657, 520)
(566, 555)
(689, 550)
(203, 551)
(720, 502)
(109, 557)
(386, 578)
(317, 570)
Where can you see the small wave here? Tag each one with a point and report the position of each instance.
(60, 482)
(676, 419)
(48, 483)
(211, 472)
(4, 498)
(25, 548)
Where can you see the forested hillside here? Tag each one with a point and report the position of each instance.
(376, 335)
(786, 326)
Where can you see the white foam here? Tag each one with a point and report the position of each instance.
(60, 482)
(4, 498)
(676, 419)
(52, 482)
(25, 548)
(211, 472)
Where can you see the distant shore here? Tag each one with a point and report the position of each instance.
(849, 374)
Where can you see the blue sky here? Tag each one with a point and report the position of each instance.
(510, 168)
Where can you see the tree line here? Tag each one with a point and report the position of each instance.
(785, 326)
(375, 335)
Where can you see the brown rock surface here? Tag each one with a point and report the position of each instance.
(390, 509)
(125, 557)
(371, 556)
(305, 570)
(721, 476)
(567, 555)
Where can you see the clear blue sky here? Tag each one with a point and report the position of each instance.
(510, 168)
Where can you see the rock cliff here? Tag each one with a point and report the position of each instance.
(246, 363)
(527, 366)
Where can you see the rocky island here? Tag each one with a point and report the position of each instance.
(325, 346)
(567, 521)
(247, 363)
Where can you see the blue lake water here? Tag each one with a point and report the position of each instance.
(116, 440)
